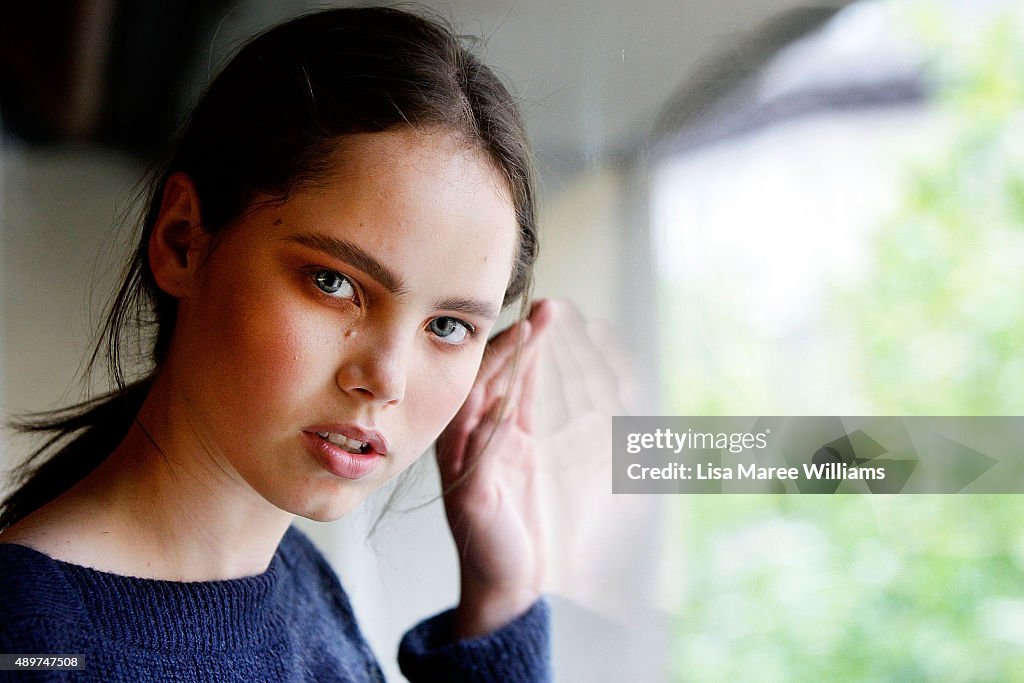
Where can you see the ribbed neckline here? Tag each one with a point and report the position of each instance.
(165, 615)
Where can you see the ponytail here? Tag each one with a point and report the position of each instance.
(80, 438)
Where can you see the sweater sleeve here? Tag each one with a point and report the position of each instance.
(519, 652)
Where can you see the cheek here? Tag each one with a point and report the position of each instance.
(261, 356)
(274, 350)
(437, 395)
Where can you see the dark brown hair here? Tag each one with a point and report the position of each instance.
(268, 124)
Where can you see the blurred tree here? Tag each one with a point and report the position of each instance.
(915, 588)
(854, 588)
(936, 327)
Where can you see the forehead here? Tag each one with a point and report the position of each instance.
(415, 151)
(425, 201)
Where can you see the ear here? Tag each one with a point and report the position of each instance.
(178, 240)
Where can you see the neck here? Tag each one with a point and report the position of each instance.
(161, 506)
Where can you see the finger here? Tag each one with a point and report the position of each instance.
(500, 375)
(584, 371)
(450, 450)
(503, 344)
(528, 358)
(491, 429)
(504, 380)
(597, 380)
(555, 393)
(527, 395)
(542, 313)
(484, 401)
(500, 349)
(511, 349)
(572, 377)
(451, 445)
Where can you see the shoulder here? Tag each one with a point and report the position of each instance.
(38, 604)
(33, 582)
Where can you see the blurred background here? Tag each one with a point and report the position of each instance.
(777, 207)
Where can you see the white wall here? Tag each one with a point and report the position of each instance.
(58, 265)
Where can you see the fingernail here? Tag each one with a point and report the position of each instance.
(527, 329)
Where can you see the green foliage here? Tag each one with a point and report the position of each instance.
(937, 325)
(915, 588)
(805, 588)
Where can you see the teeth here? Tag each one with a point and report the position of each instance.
(350, 445)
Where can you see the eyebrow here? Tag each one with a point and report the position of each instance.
(343, 250)
(475, 307)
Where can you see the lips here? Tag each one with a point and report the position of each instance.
(352, 438)
(346, 451)
(350, 445)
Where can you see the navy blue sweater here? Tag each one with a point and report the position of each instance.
(291, 623)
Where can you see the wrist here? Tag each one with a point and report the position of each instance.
(483, 610)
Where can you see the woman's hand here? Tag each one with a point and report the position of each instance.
(487, 460)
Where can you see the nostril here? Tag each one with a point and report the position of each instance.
(373, 375)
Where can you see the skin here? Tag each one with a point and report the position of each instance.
(217, 465)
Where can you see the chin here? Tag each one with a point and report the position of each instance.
(322, 497)
(328, 509)
(322, 516)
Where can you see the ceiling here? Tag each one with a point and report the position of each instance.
(594, 77)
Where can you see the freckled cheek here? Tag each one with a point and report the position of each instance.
(276, 354)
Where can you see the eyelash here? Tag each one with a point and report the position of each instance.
(470, 330)
(316, 273)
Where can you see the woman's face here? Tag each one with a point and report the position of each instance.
(327, 340)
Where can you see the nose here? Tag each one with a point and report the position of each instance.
(373, 371)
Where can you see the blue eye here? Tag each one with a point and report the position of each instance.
(449, 330)
(334, 284)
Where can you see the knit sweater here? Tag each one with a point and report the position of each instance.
(293, 622)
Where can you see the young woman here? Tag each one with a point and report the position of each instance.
(324, 255)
